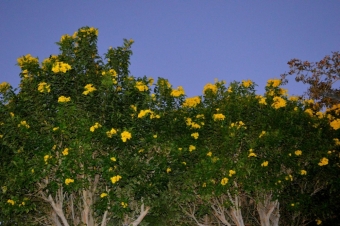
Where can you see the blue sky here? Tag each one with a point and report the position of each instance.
(189, 42)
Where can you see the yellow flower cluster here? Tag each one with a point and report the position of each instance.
(124, 205)
(262, 100)
(102, 195)
(231, 173)
(191, 102)
(95, 126)
(264, 164)
(309, 111)
(335, 124)
(60, 67)
(141, 86)
(289, 177)
(195, 135)
(63, 99)
(218, 117)
(4, 87)
(65, 152)
(224, 181)
(111, 72)
(10, 201)
(192, 148)
(44, 87)
(150, 82)
(111, 133)
(46, 158)
(177, 92)
(323, 162)
(193, 125)
(125, 136)
(211, 87)
(64, 37)
(68, 181)
(251, 153)
(89, 31)
(24, 123)
(303, 172)
(298, 152)
(273, 82)
(27, 60)
(278, 102)
(88, 89)
(238, 125)
(246, 83)
(115, 179)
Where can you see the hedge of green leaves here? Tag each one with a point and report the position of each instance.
(82, 123)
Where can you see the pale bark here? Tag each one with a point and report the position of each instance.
(268, 211)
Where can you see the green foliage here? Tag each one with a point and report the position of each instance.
(82, 126)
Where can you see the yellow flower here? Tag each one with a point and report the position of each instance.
(143, 113)
(195, 135)
(111, 133)
(64, 37)
(209, 154)
(168, 170)
(309, 111)
(224, 181)
(246, 83)
(124, 205)
(191, 148)
(204, 185)
(68, 181)
(200, 116)
(113, 159)
(63, 99)
(12, 114)
(155, 136)
(44, 87)
(278, 102)
(319, 114)
(211, 87)
(88, 89)
(151, 80)
(177, 92)
(318, 221)
(102, 195)
(4, 87)
(289, 177)
(10, 201)
(335, 124)
(180, 149)
(24, 123)
(141, 86)
(230, 90)
(292, 204)
(184, 163)
(115, 179)
(95, 126)
(263, 101)
(337, 141)
(27, 60)
(264, 164)
(60, 67)
(252, 154)
(262, 134)
(303, 172)
(133, 107)
(125, 136)
(231, 173)
(65, 152)
(293, 98)
(55, 128)
(46, 158)
(191, 102)
(141, 150)
(219, 117)
(298, 152)
(323, 161)
(274, 82)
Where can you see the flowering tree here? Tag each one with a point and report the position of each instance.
(85, 143)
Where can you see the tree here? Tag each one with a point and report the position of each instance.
(85, 143)
(320, 76)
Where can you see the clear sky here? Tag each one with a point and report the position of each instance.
(189, 42)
